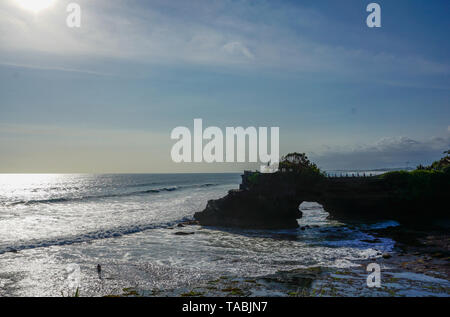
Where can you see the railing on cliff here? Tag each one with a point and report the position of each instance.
(251, 177)
(326, 174)
(349, 175)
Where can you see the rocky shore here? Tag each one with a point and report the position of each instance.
(418, 266)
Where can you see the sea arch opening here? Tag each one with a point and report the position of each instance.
(314, 214)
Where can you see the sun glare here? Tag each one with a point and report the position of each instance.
(35, 5)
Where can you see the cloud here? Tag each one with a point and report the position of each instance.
(236, 48)
(60, 69)
(385, 153)
(206, 33)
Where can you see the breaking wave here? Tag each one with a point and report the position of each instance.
(93, 197)
(89, 236)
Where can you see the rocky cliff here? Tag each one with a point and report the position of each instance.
(271, 201)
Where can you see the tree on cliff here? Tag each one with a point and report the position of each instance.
(442, 165)
(297, 162)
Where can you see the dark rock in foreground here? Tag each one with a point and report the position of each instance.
(251, 210)
(182, 233)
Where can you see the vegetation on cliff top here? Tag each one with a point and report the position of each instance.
(429, 181)
(293, 164)
(298, 162)
(442, 165)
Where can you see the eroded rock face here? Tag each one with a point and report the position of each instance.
(268, 202)
(271, 201)
(251, 210)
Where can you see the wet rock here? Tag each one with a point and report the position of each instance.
(183, 233)
(190, 222)
(387, 256)
(372, 241)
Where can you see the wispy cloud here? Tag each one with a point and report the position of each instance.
(236, 48)
(51, 68)
(224, 33)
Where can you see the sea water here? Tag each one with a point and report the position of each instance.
(127, 224)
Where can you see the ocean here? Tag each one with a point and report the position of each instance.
(127, 224)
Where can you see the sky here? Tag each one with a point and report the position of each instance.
(104, 98)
